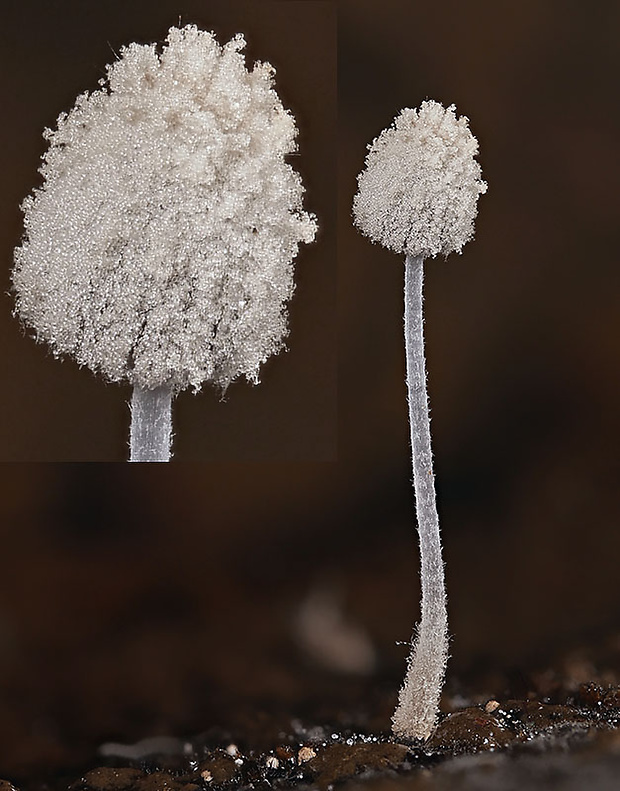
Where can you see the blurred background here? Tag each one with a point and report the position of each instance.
(161, 600)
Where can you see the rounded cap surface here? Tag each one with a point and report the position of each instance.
(418, 192)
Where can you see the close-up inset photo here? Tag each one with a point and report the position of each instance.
(178, 237)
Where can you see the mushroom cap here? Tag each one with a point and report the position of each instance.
(418, 192)
(159, 248)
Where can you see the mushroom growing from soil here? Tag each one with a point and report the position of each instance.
(159, 248)
(418, 195)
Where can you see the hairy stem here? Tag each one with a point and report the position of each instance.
(151, 424)
(418, 705)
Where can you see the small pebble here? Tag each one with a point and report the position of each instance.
(305, 754)
(491, 706)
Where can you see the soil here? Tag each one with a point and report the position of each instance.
(555, 736)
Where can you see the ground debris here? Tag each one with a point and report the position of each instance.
(219, 767)
(106, 778)
(504, 728)
(337, 762)
(469, 730)
(596, 696)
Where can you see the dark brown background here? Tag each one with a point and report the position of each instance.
(152, 600)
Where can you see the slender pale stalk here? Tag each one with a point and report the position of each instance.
(416, 714)
(151, 424)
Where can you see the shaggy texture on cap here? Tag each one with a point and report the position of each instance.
(159, 248)
(419, 191)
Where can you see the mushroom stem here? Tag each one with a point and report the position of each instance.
(416, 714)
(151, 424)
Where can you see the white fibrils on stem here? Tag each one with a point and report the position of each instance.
(159, 249)
(418, 196)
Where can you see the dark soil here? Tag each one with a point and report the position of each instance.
(507, 743)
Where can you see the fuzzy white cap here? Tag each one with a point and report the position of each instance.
(419, 191)
(159, 248)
